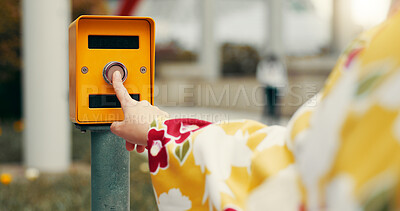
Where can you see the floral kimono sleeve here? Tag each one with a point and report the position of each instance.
(241, 165)
(347, 145)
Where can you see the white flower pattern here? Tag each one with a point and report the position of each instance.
(219, 159)
(174, 201)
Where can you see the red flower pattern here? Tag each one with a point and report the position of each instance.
(156, 140)
(230, 209)
(158, 156)
(352, 55)
(174, 128)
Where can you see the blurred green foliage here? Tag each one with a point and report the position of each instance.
(10, 58)
(10, 143)
(88, 7)
(70, 191)
(173, 51)
(142, 194)
(239, 60)
(49, 192)
(10, 39)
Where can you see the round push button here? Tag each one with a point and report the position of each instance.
(111, 67)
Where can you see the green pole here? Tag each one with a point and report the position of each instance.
(110, 170)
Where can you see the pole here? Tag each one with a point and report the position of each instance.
(275, 45)
(209, 56)
(109, 170)
(45, 88)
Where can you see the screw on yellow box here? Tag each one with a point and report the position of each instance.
(99, 46)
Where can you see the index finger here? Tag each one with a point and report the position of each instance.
(120, 90)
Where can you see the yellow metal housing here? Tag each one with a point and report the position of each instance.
(86, 65)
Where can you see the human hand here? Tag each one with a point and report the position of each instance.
(137, 117)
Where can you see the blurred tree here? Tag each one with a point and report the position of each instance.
(10, 59)
(173, 51)
(88, 7)
(10, 50)
(239, 60)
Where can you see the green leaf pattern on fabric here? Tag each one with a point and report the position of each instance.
(367, 84)
(181, 151)
(381, 201)
(153, 124)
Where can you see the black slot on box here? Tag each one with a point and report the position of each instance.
(107, 101)
(113, 42)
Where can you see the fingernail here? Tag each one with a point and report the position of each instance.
(116, 75)
(130, 147)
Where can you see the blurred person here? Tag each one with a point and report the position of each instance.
(341, 154)
(271, 73)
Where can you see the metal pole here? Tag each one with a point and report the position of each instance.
(275, 45)
(209, 55)
(45, 88)
(110, 171)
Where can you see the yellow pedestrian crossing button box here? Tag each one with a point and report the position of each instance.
(99, 46)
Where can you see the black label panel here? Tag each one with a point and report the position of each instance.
(108, 101)
(113, 42)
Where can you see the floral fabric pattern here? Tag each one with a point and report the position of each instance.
(221, 162)
(177, 130)
(341, 154)
(157, 152)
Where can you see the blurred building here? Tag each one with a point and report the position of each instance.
(314, 33)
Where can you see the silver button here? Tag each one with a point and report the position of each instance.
(111, 67)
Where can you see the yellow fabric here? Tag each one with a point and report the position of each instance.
(343, 154)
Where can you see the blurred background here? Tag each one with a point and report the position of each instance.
(215, 60)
